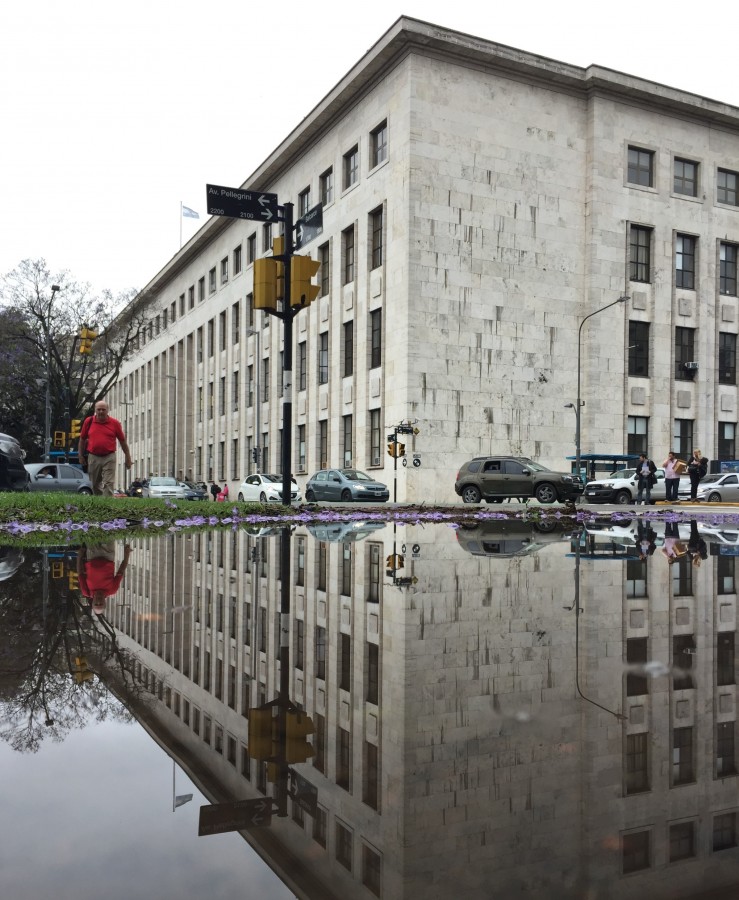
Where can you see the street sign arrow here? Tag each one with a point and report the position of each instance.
(221, 817)
(236, 203)
(309, 226)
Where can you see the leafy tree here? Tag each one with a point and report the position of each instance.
(41, 325)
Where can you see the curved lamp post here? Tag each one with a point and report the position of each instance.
(580, 403)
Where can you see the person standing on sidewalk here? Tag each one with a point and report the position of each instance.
(674, 468)
(697, 468)
(645, 473)
(98, 441)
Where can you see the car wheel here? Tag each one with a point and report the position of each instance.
(623, 497)
(471, 494)
(86, 491)
(262, 497)
(346, 495)
(714, 497)
(310, 496)
(546, 493)
(241, 497)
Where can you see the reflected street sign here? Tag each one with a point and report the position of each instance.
(222, 817)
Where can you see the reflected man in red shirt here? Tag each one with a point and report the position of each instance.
(97, 575)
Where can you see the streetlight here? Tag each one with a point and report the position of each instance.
(47, 422)
(579, 402)
(257, 398)
(174, 424)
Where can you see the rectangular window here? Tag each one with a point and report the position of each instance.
(685, 262)
(191, 297)
(182, 306)
(323, 357)
(637, 763)
(370, 782)
(725, 658)
(237, 260)
(251, 249)
(725, 575)
(322, 568)
(685, 177)
(641, 167)
(324, 274)
(351, 167)
(371, 870)
(222, 330)
(320, 652)
(300, 448)
(635, 850)
(346, 570)
(682, 438)
(265, 381)
(344, 846)
(637, 682)
(212, 280)
(376, 238)
(344, 759)
(250, 310)
(682, 841)
(682, 756)
(375, 553)
(319, 743)
(725, 749)
(235, 473)
(683, 650)
(640, 242)
(347, 432)
(299, 649)
(345, 662)
(323, 443)
(302, 364)
(235, 322)
(375, 437)
(378, 144)
(320, 827)
(684, 353)
(266, 237)
(724, 831)
(326, 187)
(639, 349)
(726, 186)
(375, 338)
(637, 437)
(727, 440)
(727, 269)
(373, 673)
(347, 249)
(726, 358)
(304, 201)
(348, 349)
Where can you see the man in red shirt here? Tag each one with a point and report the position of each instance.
(97, 448)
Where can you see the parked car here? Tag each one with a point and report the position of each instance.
(718, 488)
(344, 532)
(266, 488)
(58, 477)
(506, 538)
(495, 478)
(346, 485)
(622, 487)
(195, 491)
(13, 475)
(163, 487)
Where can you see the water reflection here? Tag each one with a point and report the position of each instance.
(492, 710)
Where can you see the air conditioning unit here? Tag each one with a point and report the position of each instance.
(692, 366)
(376, 461)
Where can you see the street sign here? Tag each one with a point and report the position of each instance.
(306, 794)
(222, 817)
(308, 226)
(239, 204)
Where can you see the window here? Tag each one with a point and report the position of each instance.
(637, 763)
(324, 274)
(347, 441)
(235, 382)
(320, 827)
(345, 662)
(641, 167)
(301, 448)
(201, 289)
(326, 187)
(304, 202)
(685, 177)
(191, 297)
(212, 280)
(237, 259)
(182, 306)
(301, 373)
(347, 250)
(375, 437)
(637, 682)
(265, 383)
(684, 353)
(725, 749)
(323, 443)
(373, 593)
(372, 870)
(373, 670)
(725, 575)
(637, 438)
(727, 269)
(348, 350)
(323, 357)
(685, 262)
(726, 187)
(682, 438)
(726, 358)
(299, 623)
(320, 652)
(635, 849)
(344, 846)
(251, 249)
(376, 238)
(725, 657)
(639, 349)
(351, 167)
(322, 567)
(682, 756)
(344, 759)
(724, 831)
(683, 650)
(682, 841)
(346, 570)
(726, 441)
(319, 743)
(375, 338)
(224, 270)
(370, 782)
(640, 240)
(378, 144)
(235, 322)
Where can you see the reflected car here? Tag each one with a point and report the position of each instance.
(13, 475)
(162, 487)
(344, 532)
(506, 538)
(346, 485)
(58, 477)
(719, 488)
(263, 487)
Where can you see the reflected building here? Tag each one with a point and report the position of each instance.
(548, 722)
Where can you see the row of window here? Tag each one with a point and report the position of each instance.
(687, 176)
(682, 840)
(685, 362)
(682, 577)
(683, 650)
(637, 437)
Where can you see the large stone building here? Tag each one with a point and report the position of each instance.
(478, 203)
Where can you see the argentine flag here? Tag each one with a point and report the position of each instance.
(188, 213)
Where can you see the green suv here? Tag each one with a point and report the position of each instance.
(495, 478)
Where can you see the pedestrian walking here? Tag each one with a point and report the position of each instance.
(674, 468)
(98, 440)
(647, 478)
(697, 468)
(214, 490)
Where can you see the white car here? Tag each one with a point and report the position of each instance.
(161, 487)
(266, 488)
(622, 487)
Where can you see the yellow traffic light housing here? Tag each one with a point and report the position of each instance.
(60, 438)
(75, 426)
(394, 562)
(87, 336)
(297, 728)
(400, 449)
(302, 290)
(265, 283)
(73, 580)
(261, 734)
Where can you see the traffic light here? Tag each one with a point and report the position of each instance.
(302, 290)
(297, 729)
(87, 336)
(73, 580)
(81, 669)
(60, 438)
(265, 283)
(75, 427)
(391, 448)
(394, 562)
(396, 449)
(57, 569)
(261, 734)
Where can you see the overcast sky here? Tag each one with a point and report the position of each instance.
(114, 114)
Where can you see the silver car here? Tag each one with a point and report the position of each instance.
(57, 477)
(714, 489)
(162, 487)
(346, 485)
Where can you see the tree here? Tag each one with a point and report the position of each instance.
(42, 327)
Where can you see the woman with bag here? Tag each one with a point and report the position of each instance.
(674, 468)
(697, 468)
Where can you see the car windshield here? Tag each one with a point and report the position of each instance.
(356, 475)
(163, 482)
